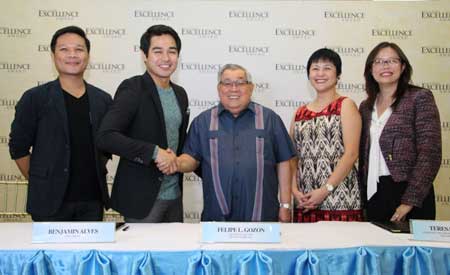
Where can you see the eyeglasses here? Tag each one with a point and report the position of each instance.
(237, 83)
(379, 62)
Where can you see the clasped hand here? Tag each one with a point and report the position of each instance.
(310, 200)
(166, 161)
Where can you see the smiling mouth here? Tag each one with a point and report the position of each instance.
(320, 81)
(386, 74)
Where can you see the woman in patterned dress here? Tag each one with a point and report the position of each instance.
(326, 135)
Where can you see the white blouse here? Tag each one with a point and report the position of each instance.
(377, 164)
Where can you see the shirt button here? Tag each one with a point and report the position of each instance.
(160, 178)
(66, 170)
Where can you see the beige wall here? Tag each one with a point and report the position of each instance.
(272, 39)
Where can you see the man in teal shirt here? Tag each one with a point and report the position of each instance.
(146, 126)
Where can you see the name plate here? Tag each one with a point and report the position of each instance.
(429, 230)
(226, 232)
(73, 232)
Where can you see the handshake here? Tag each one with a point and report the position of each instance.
(166, 161)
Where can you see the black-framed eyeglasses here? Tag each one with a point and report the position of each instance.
(380, 62)
(237, 83)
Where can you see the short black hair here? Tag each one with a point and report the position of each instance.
(326, 54)
(158, 30)
(70, 29)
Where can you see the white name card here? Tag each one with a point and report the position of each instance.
(73, 232)
(429, 230)
(227, 232)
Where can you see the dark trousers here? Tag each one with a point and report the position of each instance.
(74, 211)
(162, 211)
(385, 201)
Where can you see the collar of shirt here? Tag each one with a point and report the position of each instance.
(251, 107)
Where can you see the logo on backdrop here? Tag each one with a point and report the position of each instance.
(59, 14)
(436, 50)
(351, 88)
(7, 103)
(295, 33)
(392, 34)
(14, 67)
(445, 163)
(106, 67)
(289, 103)
(191, 178)
(289, 67)
(445, 125)
(191, 216)
(202, 104)
(15, 32)
(435, 87)
(248, 15)
(109, 180)
(436, 15)
(344, 16)
(154, 15)
(205, 68)
(249, 50)
(11, 177)
(105, 32)
(262, 87)
(4, 140)
(348, 51)
(44, 48)
(443, 199)
(202, 33)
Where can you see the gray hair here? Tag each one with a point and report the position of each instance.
(233, 67)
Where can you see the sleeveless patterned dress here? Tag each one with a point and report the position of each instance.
(319, 144)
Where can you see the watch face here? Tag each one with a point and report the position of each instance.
(329, 187)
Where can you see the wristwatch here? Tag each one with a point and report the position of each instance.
(285, 205)
(329, 187)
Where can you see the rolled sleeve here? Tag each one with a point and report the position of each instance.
(284, 149)
(22, 128)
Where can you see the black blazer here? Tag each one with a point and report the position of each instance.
(40, 123)
(131, 129)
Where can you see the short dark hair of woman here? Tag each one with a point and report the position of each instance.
(326, 54)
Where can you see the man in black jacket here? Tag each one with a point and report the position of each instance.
(146, 126)
(58, 121)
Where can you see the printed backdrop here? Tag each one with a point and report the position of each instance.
(273, 39)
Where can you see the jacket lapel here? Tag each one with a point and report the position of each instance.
(150, 88)
(58, 97)
(390, 124)
(93, 115)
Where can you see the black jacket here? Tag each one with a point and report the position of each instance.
(131, 129)
(40, 123)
